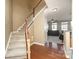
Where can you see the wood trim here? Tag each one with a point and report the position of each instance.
(33, 12)
(8, 42)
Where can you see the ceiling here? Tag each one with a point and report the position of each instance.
(64, 9)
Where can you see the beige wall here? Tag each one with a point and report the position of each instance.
(34, 29)
(39, 33)
(40, 6)
(8, 19)
(33, 3)
(67, 42)
(20, 11)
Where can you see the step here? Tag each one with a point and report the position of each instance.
(16, 52)
(17, 45)
(17, 40)
(22, 29)
(18, 33)
(18, 57)
(18, 37)
(13, 36)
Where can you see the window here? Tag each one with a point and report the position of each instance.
(64, 26)
(54, 26)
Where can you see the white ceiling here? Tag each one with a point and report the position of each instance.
(64, 9)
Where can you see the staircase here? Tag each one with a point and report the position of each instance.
(19, 43)
(17, 46)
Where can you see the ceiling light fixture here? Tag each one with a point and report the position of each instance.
(55, 9)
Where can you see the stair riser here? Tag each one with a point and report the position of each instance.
(19, 52)
(14, 38)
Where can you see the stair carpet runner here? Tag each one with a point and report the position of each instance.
(17, 46)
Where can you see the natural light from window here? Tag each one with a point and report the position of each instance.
(54, 26)
(64, 26)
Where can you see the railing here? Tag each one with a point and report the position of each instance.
(27, 36)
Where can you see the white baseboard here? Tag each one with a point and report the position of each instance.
(66, 54)
(8, 43)
(37, 43)
(21, 27)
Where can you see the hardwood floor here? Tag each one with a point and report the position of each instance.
(41, 52)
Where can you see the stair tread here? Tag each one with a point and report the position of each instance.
(17, 44)
(16, 52)
(18, 57)
(18, 36)
(17, 40)
(18, 33)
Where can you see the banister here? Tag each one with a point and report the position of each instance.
(33, 12)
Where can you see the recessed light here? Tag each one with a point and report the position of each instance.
(55, 9)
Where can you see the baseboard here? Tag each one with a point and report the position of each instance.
(37, 43)
(21, 27)
(66, 54)
(8, 43)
